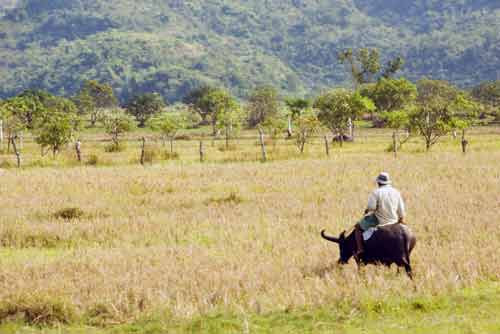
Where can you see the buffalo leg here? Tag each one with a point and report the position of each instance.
(407, 266)
(408, 269)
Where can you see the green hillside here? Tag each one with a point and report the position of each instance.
(171, 46)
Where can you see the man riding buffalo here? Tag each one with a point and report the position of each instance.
(385, 207)
(390, 240)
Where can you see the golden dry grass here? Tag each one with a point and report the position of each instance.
(188, 238)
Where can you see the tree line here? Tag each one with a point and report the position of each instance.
(428, 108)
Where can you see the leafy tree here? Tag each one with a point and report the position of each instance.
(29, 106)
(263, 104)
(296, 107)
(364, 65)
(397, 120)
(32, 110)
(12, 123)
(439, 106)
(392, 67)
(488, 93)
(94, 98)
(227, 114)
(391, 94)
(116, 123)
(197, 99)
(224, 110)
(56, 123)
(85, 105)
(56, 130)
(145, 106)
(307, 126)
(338, 107)
(191, 118)
(275, 126)
(169, 124)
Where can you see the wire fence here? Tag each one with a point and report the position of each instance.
(245, 147)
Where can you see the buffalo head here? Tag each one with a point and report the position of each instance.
(347, 245)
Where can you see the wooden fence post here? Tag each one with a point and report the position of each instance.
(464, 142)
(327, 146)
(395, 143)
(18, 154)
(143, 150)
(262, 145)
(78, 148)
(202, 153)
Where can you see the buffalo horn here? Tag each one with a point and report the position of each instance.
(332, 239)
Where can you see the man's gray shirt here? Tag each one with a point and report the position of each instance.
(387, 204)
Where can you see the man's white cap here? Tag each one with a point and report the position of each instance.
(384, 178)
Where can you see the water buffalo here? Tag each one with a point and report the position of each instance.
(389, 244)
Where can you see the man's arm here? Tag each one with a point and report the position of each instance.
(372, 203)
(401, 210)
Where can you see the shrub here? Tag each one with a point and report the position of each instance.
(233, 198)
(92, 160)
(6, 164)
(115, 148)
(36, 310)
(167, 155)
(69, 213)
(99, 315)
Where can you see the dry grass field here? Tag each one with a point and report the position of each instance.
(182, 240)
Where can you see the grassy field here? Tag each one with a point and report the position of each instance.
(233, 245)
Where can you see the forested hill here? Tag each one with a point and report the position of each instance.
(171, 46)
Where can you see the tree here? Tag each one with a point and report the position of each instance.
(116, 122)
(439, 106)
(28, 106)
(168, 124)
(56, 130)
(391, 94)
(397, 120)
(263, 104)
(86, 106)
(488, 93)
(56, 125)
(307, 125)
(12, 123)
(338, 107)
(94, 98)
(275, 126)
(191, 118)
(145, 106)
(196, 99)
(392, 67)
(29, 111)
(296, 107)
(227, 113)
(364, 65)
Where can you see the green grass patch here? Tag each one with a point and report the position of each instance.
(473, 310)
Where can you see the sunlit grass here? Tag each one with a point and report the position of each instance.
(242, 237)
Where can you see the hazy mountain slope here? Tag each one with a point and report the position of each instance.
(171, 46)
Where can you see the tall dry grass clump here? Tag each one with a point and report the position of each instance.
(196, 238)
